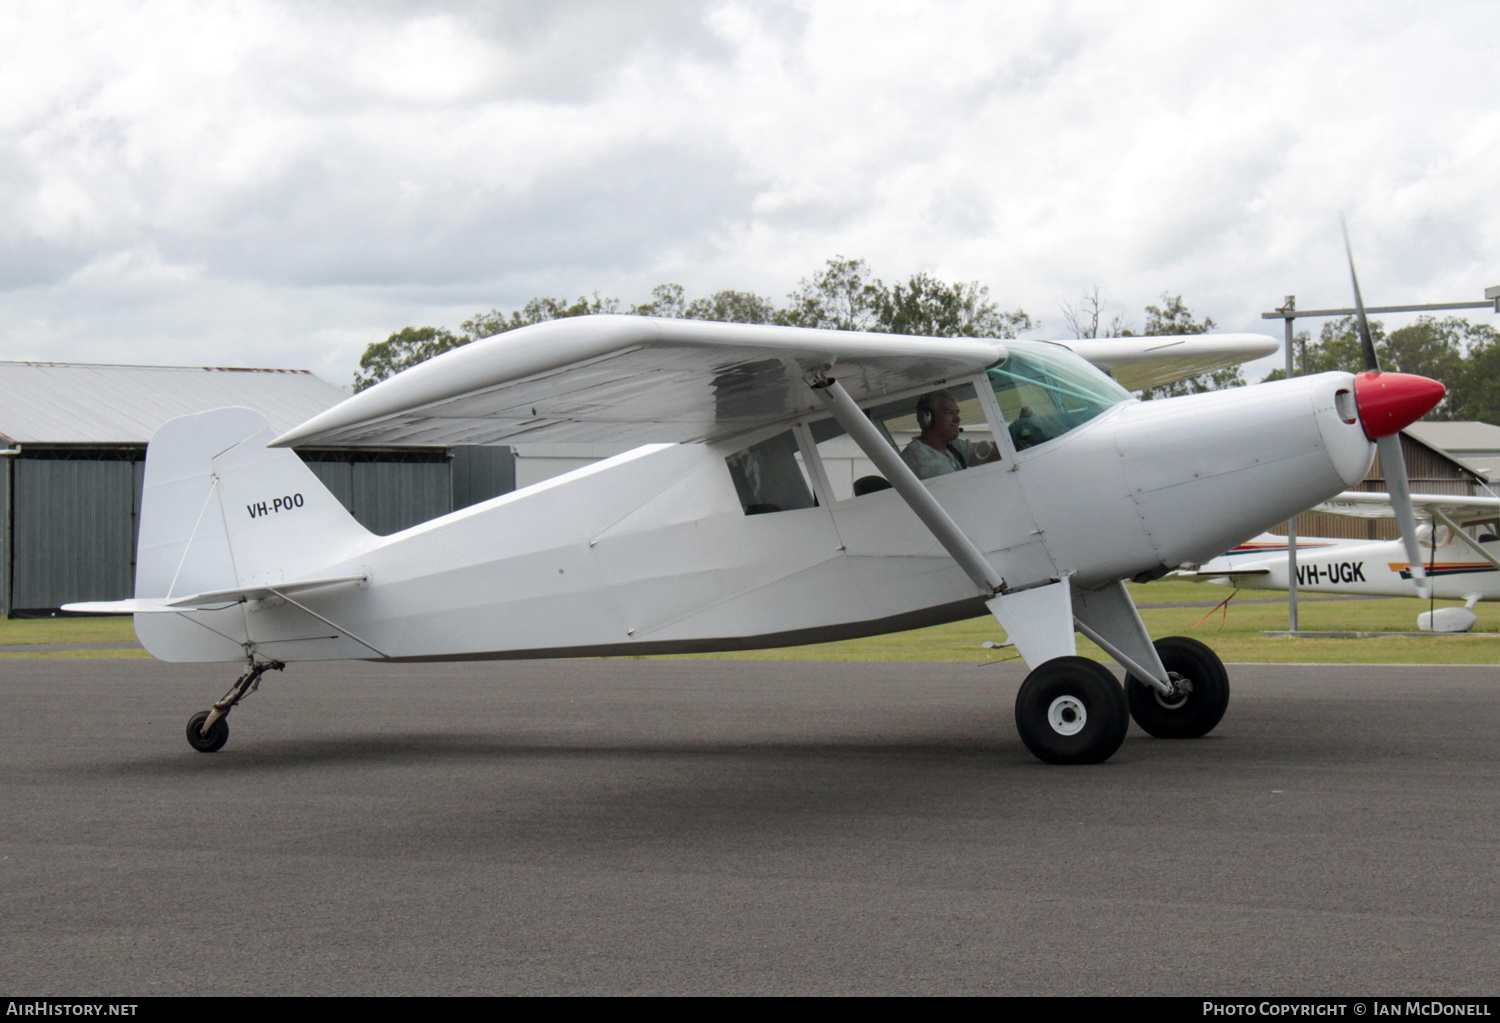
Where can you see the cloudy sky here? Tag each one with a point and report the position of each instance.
(279, 184)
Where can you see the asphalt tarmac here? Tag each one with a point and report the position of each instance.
(723, 827)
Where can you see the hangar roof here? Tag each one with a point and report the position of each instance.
(1474, 445)
(1460, 437)
(75, 403)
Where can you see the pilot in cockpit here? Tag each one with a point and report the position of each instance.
(938, 449)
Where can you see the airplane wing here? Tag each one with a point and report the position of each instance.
(1142, 362)
(1461, 508)
(636, 380)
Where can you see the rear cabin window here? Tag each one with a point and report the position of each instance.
(770, 477)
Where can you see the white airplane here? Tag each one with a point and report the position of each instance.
(721, 531)
(1458, 566)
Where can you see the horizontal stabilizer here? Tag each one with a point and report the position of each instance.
(1228, 573)
(120, 607)
(210, 600)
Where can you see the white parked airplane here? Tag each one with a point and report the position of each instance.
(1458, 566)
(722, 532)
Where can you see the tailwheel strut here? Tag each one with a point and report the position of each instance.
(208, 730)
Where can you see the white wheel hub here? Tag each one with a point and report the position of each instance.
(1067, 715)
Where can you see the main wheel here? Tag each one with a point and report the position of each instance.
(1203, 692)
(217, 736)
(1070, 710)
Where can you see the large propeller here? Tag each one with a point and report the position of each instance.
(1387, 403)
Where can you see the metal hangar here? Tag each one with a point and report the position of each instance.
(72, 454)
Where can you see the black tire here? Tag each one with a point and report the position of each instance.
(1070, 710)
(217, 736)
(1201, 673)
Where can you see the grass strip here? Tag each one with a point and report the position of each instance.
(1235, 633)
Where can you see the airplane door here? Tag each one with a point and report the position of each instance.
(986, 499)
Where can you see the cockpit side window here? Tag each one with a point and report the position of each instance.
(851, 474)
(1045, 390)
(769, 476)
(1442, 537)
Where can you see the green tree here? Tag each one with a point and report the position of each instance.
(1474, 394)
(842, 296)
(668, 301)
(1428, 347)
(403, 350)
(1465, 356)
(537, 310)
(412, 345)
(927, 307)
(1337, 349)
(732, 307)
(845, 295)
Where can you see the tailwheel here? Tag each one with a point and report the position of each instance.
(1070, 710)
(218, 733)
(1200, 697)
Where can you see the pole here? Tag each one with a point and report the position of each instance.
(7, 527)
(1291, 525)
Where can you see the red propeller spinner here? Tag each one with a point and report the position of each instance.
(1388, 402)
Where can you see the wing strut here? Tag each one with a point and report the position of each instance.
(330, 624)
(1041, 619)
(964, 551)
(1458, 532)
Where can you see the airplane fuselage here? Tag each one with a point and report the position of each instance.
(1376, 568)
(654, 551)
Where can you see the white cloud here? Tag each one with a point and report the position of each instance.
(283, 183)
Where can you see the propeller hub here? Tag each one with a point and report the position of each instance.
(1389, 402)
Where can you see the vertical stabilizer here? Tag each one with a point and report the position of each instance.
(220, 510)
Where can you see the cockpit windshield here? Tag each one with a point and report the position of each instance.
(1044, 391)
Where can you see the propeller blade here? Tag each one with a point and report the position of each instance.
(1393, 464)
(1366, 342)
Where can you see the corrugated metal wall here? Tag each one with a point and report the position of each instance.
(480, 473)
(338, 478)
(74, 530)
(390, 496)
(75, 512)
(387, 497)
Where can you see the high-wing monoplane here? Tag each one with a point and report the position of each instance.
(1458, 566)
(723, 530)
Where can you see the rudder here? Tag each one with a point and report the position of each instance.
(219, 509)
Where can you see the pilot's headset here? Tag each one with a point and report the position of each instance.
(926, 413)
(927, 408)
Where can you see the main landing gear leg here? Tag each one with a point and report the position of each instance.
(208, 730)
